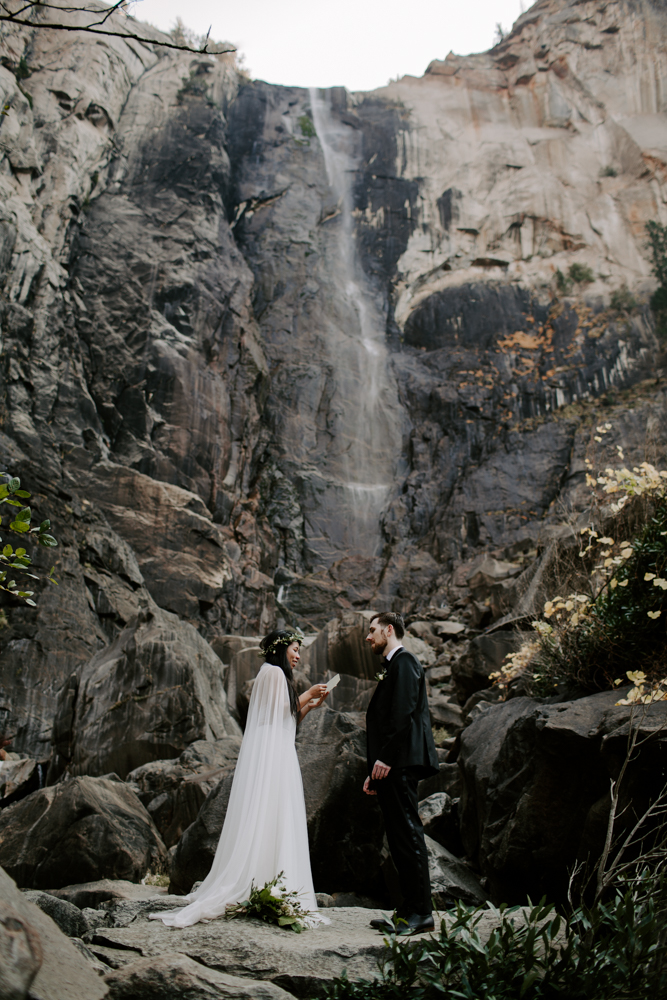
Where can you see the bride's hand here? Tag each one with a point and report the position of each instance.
(318, 693)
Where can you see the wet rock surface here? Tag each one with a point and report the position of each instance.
(94, 827)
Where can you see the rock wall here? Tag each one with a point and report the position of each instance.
(270, 353)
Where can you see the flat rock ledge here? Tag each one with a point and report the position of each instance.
(299, 963)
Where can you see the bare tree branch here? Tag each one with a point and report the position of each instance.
(21, 17)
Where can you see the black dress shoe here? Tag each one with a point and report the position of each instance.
(383, 924)
(414, 923)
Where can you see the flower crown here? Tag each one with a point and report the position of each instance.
(283, 640)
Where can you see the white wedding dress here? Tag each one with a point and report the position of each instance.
(265, 830)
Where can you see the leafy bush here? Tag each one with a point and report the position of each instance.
(580, 273)
(18, 560)
(622, 300)
(614, 950)
(588, 640)
(307, 127)
(609, 171)
(563, 284)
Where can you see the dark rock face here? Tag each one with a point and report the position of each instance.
(341, 648)
(88, 828)
(173, 791)
(535, 787)
(154, 690)
(440, 818)
(177, 379)
(37, 955)
(66, 915)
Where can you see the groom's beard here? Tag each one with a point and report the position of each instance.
(378, 649)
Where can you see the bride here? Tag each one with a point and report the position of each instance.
(265, 831)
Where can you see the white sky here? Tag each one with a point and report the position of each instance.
(358, 44)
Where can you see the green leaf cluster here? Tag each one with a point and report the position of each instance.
(622, 300)
(21, 524)
(615, 950)
(273, 905)
(580, 273)
(307, 127)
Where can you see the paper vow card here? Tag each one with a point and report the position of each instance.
(332, 683)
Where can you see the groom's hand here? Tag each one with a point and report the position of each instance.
(380, 771)
(367, 788)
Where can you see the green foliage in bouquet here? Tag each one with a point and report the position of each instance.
(272, 904)
(18, 560)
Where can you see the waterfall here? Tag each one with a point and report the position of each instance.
(366, 411)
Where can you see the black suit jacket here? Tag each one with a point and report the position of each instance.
(398, 724)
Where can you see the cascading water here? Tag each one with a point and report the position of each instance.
(368, 417)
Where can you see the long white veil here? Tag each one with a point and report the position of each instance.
(265, 829)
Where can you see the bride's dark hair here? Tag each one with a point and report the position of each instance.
(274, 647)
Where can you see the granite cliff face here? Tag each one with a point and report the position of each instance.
(269, 353)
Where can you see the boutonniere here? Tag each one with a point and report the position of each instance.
(381, 674)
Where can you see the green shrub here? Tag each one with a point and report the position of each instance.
(614, 950)
(622, 300)
(609, 171)
(580, 273)
(307, 127)
(563, 284)
(17, 561)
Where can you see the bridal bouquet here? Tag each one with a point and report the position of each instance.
(279, 907)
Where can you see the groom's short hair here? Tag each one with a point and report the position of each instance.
(391, 618)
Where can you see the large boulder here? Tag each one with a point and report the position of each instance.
(174, 791)
(439, 814)
(35, 955)
(167, 976)
(68, 916)
(157, 688)
(244, 666)
(485, 655)
(20, 953)
(19, 778)
(451, 880)
(344, 825)
(84, 828)
(535, 783)
(341, 648)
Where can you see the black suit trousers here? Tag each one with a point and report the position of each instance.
(397, 797)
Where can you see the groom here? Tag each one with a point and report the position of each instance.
(401, 751)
